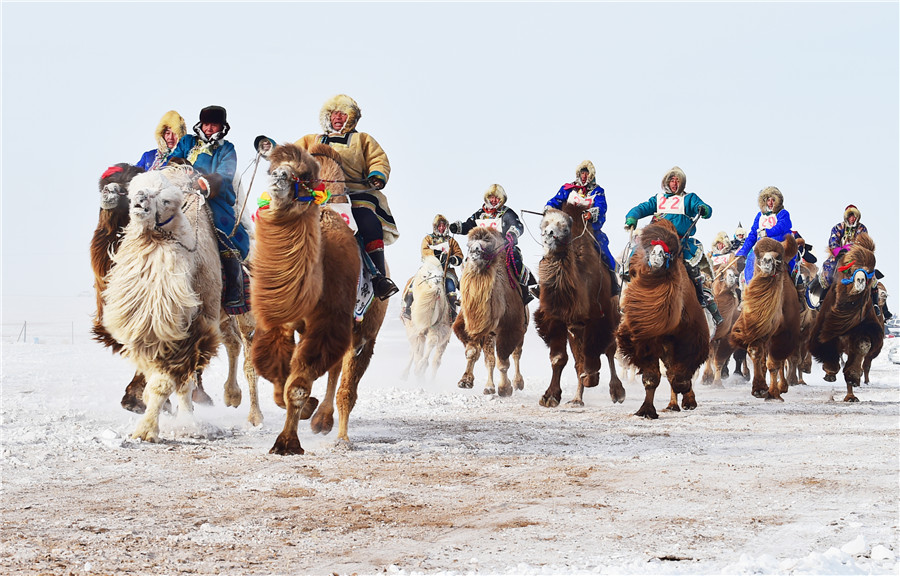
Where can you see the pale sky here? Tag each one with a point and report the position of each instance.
(802, 96)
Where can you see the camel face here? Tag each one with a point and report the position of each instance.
(767, 264)
(860, 281)
(167, 203)
(882, 294)
(142, 204)
(657, 258)
(280, 181)
(556, 230)
(110, 195)
(731, 278)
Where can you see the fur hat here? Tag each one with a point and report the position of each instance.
(723, 238)
(740, 231)
(437, 220)
(341, 103)
(213, 115)
(592, 174)
(173, 121)
(851, 209)
(495, 190)
(766, 193)
(682, 180)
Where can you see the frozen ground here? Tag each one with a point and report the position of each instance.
(438, 480)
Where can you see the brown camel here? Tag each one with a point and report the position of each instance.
(725, 289)
(769, 325)
(847, 322)
(306, 266)
(662, 319)
(576, 305)
(880, 295)
(492, 315)
(800, 362)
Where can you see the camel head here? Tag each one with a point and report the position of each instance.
(882, 294)
(769, 257)
(114, 186)
(156, 196)
(731, 278)
(484, 245)
(855, 268)
(556, 230)
(661, 245)
(291, 168)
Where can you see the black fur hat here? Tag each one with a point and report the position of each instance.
(213, 115)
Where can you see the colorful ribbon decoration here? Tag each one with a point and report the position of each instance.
(110, 171)
(849, 280)
(660, 243)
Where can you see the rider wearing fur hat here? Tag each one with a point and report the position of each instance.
(446, 249)
(367, 168)
(843, 236)
(585, 192)
(678, 207)
(168, 132)
(496, 214)
(740, 234)
(214, 157)
(772, 221)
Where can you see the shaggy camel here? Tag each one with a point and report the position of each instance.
(114, 216)
(493, 315)
(302, 248)
(162, 296)
(769, 325)
(576, 305)
(725, 289)
(428, 328)
(847, 322)
(801, 360)
(662, 319)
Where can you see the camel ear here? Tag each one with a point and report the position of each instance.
(790, 247)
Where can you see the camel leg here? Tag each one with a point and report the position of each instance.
(422, 352)
(758, 356)
(853, 367)
(710, 370)
(831, 369)
(442, 341)
(650, 376)
(775, 369)
(246, 327)
(185, 396)
(556, 340)
(158, 389)
(132, 400)
(473, 352)
(673, 400)
(355, 365)
(616, 390)
(505, 387)
(199, 395)
(232, 340)
(518, 380)
(490, 362)
(323, 420)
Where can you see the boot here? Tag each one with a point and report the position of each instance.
(406, 310)
(710, 304)
(383, 286)
(233, 287)
(616, 289)
(453, 299)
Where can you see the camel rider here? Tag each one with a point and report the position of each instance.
(446, 249)
(169, 131)
(842, 237)
(740, 234)
(367, 168)
(721, 252)
(678, 207)
(584, 192)
(496, 214)
(215, 158)
(772, 221)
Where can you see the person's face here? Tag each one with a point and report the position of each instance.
(210, 128)
(265, 146)
(851, 219)
(493, 201)
(338, 119)
(673, 183)
(770, 202)
(170, 137)
(741, 236)
(441, 227)
(584, 176)
(720, 245)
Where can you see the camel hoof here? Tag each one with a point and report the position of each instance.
(199, 396)
(520, 384)
(574, 402)
(488, 391)
(505, 391)
(286, 446)
(769, 397)
(255, 418)
(549, 402)
(464, 384)
(760, 393)
(850, 398)
(618, 395)
(308, 408)
(321, 424)
(830, 378)
(689, 406)
(647, 414)
(673, 408)
(133, 404)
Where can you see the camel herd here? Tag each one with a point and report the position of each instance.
(158, 288)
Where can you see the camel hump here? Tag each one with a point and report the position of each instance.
(319, 149)
(790, 247)
(865, 241)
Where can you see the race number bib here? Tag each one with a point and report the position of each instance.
(766, 222)
(576, 199)
(346, 215)
(670, 205)
(442, 247)
(720, 259)
(489, 223)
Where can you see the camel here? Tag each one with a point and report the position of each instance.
(428, 328)
(576, 305)
(769, 325)
(725, 292)
(662, 319)
(800, 362)
(493, 315)
(162, 297)
(880, 297)
(306, 266)
(236, 331)
(847, 322)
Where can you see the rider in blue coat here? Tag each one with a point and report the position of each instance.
(593, 198)
(772, 221)
(680, 208)
(168, 132)
(214, 157)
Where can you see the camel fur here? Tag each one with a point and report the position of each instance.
(725, 289)
(163, 292)
(492, 316)
(428, 328)
(769, 325)
(800, 362)
(662, 319)
(576, 305)
(847, 322)
(306, 268)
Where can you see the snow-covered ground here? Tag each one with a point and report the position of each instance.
(438, 480)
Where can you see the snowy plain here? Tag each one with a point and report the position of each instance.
(436, 479)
